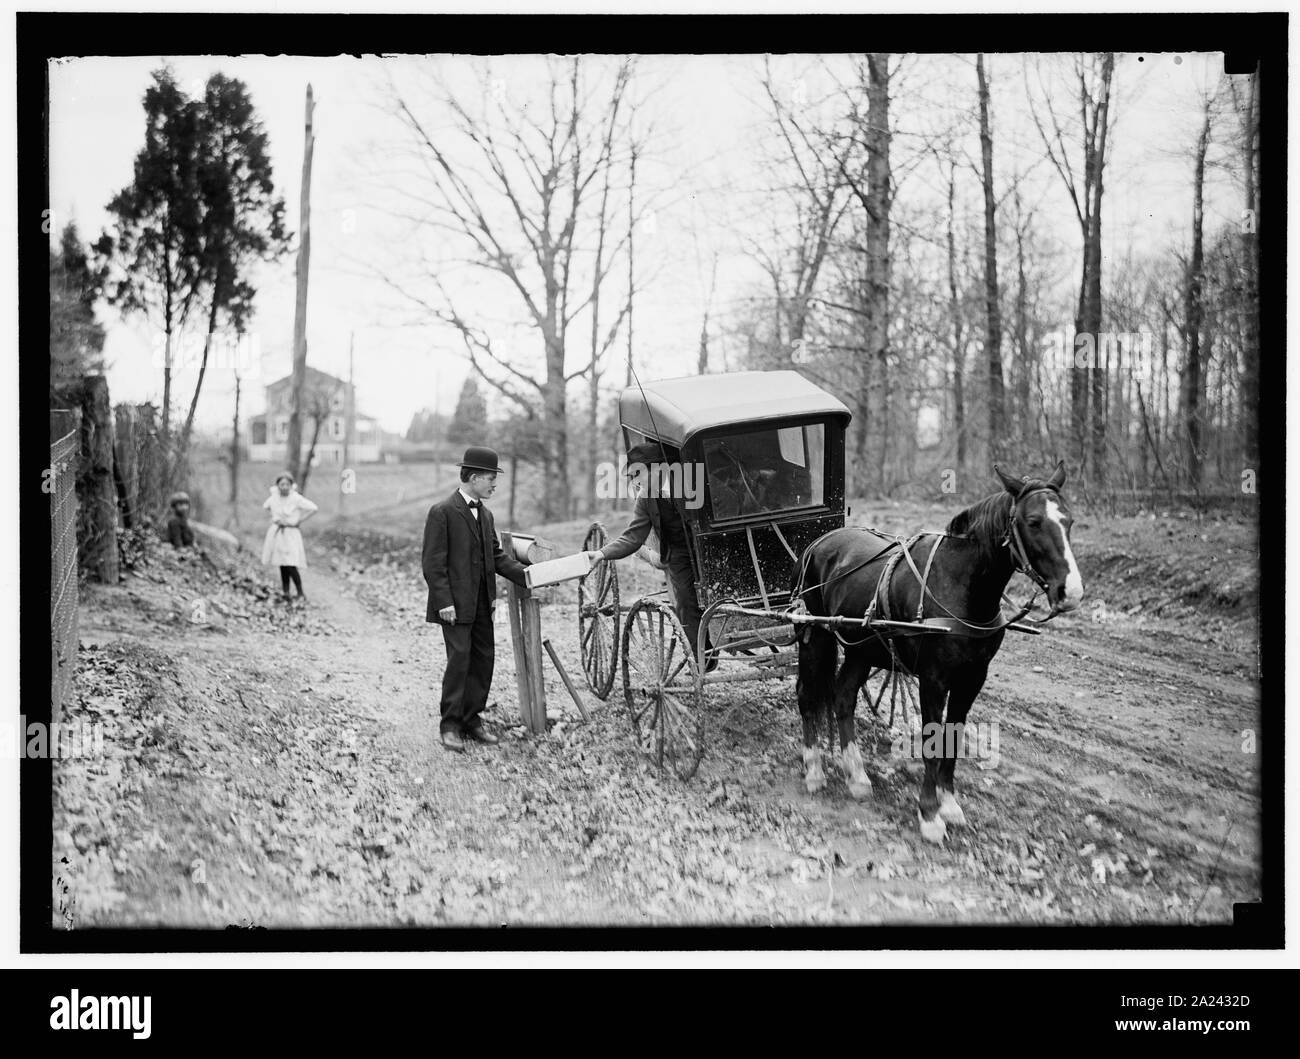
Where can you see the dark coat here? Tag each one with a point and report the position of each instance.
(459, 552)
(649, 514)
(179, 532)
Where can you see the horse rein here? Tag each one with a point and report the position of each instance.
(1019, 557)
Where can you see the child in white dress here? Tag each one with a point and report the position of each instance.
(283, 545)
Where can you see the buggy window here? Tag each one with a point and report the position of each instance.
(766, 470)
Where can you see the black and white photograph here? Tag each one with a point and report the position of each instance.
(646, 482)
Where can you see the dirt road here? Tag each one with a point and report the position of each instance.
(280, 767)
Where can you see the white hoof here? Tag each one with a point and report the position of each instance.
(933, 830)
(814, 778)
(949, 811)
(851, 764)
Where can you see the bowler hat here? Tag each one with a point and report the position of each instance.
(478, 458)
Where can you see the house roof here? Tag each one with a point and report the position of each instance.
(314, 379)
(675, 410)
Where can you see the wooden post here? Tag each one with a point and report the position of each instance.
(526, 639)
(564, 676)
(125, 456)
(101, 499)
(531, 615)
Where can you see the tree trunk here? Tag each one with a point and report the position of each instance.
(879, 198)
(1024, 357)
(203, 366)
(1099, 377)
(958, 348)
(300, 307)
(1193, 385)
(1249, 397)
(992, 297)
(166, 429)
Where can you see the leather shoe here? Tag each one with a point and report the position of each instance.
(481, 735)
(452, 741)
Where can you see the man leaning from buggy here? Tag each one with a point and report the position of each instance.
(662, 512)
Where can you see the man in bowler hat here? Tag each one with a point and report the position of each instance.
(461, 559)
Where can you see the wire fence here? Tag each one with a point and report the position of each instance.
(62, 477)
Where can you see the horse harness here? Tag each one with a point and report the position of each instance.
(879, 607)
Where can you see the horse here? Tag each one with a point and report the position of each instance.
(852, 572)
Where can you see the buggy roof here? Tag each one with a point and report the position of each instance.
(675, 410)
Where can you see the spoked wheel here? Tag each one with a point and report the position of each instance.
(661, 683)
(598, 618)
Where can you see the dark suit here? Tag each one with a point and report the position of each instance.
(461, 559)
(665, 518)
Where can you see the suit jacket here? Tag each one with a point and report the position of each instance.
(460, 552)
(646, 515)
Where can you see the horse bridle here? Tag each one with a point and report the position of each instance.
(1013, 543)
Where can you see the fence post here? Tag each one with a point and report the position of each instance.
(526, 639)
(101, 494)
(64, 448)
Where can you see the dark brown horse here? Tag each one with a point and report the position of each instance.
(966, 570)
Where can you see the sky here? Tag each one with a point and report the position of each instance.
(707, 167)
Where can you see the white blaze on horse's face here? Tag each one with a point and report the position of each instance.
(1073, 580)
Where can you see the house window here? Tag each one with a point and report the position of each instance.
(336, 401)
(336, 427)
(259, 431)
(281, 429)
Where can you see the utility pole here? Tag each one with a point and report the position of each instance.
(234, 461)
(349, 426)
(631, 226)
(300, 306)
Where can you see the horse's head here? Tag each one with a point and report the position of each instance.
(1039, 536)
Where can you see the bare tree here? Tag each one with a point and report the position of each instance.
(1093, 75)
(958, 329)
(992, 297)
(1192, 392)
(1247, 106)
(515, 186)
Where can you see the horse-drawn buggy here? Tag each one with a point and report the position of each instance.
(754, 465)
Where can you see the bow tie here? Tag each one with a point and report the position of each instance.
(473, 504)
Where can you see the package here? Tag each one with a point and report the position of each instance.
(553, 571)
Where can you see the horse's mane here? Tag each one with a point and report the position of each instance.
(987, 520)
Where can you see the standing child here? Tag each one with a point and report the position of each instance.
(283, 546)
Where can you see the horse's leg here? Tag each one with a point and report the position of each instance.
(933, 828)
(814, 688)
(960, 698)
(848, 682)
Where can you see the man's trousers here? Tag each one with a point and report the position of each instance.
(471, 655)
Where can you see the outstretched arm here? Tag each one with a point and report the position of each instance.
(507, 565)
(638, 530)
